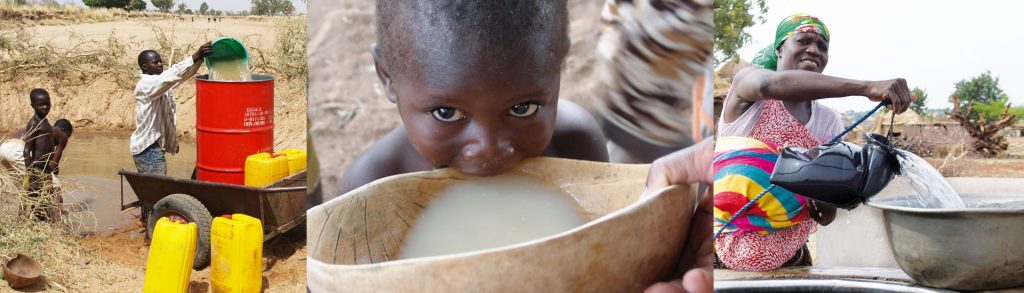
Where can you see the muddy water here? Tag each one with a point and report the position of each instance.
(487, 213)
(89, 172)
(232, 70)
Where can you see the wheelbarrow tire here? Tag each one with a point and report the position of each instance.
(195, 212)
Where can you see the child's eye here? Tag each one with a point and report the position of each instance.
(523, 110)
(447, 114)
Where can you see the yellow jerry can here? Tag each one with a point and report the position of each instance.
(262, 169)
(296, 160)
(236, 246)
(171, 253)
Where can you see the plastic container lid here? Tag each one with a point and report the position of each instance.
(227, 48)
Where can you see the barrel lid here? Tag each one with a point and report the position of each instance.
(227, 48)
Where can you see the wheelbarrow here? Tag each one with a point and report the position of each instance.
(280, 206)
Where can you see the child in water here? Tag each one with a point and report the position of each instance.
(38, 140)
(12, 149)
(476, 84)
(770, 106)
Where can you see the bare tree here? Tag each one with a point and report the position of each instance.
(989, 139)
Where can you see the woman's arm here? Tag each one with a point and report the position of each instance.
(752, 84)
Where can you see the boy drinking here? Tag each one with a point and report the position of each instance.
(476, 84)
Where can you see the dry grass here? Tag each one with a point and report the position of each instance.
(12, 14)
(25, 55)
(287, 58)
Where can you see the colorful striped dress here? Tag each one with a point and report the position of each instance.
(773, 230)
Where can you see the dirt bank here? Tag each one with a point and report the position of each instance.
(94, 90)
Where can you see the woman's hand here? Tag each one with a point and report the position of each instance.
(894, 90)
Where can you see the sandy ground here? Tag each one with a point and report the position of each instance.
(977, 167)
(283, 260)
(346, 104)
(1006, 166)
(108, 104)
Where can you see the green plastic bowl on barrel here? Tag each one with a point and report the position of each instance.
(229, 60)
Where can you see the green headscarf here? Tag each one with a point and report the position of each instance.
(794, 24)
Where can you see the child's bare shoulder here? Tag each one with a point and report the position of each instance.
(32, 120)
(577, 134)
(391, 155)
(36, 125)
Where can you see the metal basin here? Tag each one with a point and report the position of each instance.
(976, 248)
(816, 285)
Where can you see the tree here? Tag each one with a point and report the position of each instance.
(203, 8)
(182, 8)
(732, 17)
(921, 104)
(991, 110)
(983, 109)
(987, 133)
(981, 89)
(137, 5)
(106, 3)
(261, 7)
(285, 7)
(272, 7)
(163, 5)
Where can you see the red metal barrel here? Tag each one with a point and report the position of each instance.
(234, 119)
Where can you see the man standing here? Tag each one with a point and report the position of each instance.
(155, 131)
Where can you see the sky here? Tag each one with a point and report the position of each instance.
(931, 45)
(225, 5)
